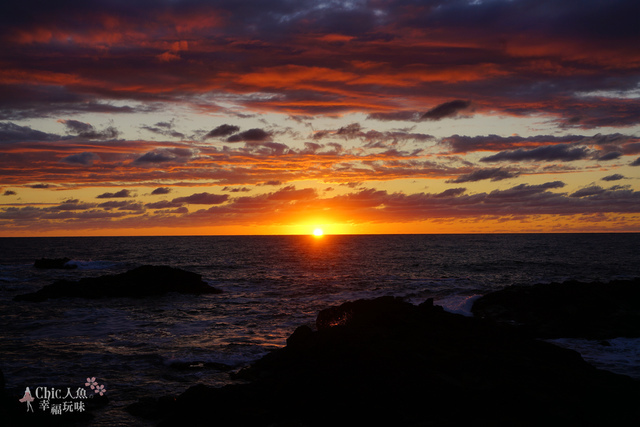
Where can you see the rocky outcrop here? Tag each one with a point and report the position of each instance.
(140, 282)
(570, 309)
(54, 263)
(388, 362)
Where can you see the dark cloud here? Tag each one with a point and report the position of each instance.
(202, 199)
(494, 174)
(41, 186)
(122, 206)
(26, 100)
(267, 148)
(619, 187)
(291, 193)
(161, 190)
(272, 183)
(408, 116)
(85, 158)
(350, 131)
(615, 139)
(613, 155)
(588, 191)
(395, 137)
(10, 132)
(465, 144)
(180, 210)
(251, 135)
(631, 148)
(352, 184)
(121, 193)
(222, 131)
(71, 205)
(451, 192)
(87, 131)
(164, 129)
(373, 138)
(77, 127)
(321, 134)
(448, 109)
(613, 112)
(9, 193)
(525, 190)
(165, 155)
(311, 147)
(614, 177)
(636, 162)
(560, 152)
(155, 157)
(236, 190)
(164, 204)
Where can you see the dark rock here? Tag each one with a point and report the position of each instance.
(151, 408)
(198, 365)
(140, 282)
(299, 336)
(570, 309)
(54, 263)
(387, 362)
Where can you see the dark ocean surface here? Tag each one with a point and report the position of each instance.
(271, 284)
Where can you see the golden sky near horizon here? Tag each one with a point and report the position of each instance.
(251, 117)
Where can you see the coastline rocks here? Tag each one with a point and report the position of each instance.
(567, 310)
(388, 362)
(54, 263)
(140, 282)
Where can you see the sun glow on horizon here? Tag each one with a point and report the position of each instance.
(318, 232)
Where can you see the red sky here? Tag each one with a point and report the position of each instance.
(253, 117)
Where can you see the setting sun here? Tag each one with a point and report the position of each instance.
(318, 232)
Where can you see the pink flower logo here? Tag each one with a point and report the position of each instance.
(100, 389)
(91, 382)
(97, 388)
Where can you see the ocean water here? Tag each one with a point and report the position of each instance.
(271, 284)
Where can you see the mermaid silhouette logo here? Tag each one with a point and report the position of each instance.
(28, 398)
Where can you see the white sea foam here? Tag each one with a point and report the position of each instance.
(92, 265)
(618, 355)
(459, 304)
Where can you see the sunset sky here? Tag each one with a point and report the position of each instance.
(161, 117)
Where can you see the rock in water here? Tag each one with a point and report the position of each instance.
(144, 281)
(54, 263)
(386, 362)
(567, 310)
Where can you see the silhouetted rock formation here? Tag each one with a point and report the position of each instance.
(140, 282)
(54, 263)
(387, 362)
(570, 309)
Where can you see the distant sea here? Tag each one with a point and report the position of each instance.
(271, 284)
